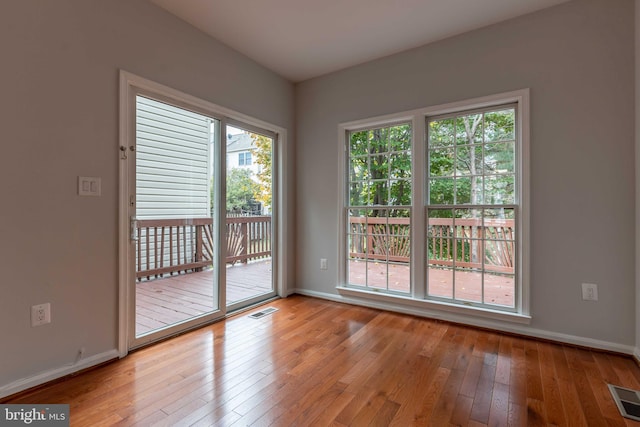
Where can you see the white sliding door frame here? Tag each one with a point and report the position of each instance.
(132, 85)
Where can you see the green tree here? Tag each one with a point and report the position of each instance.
(241, 189)
(380, 168)
(471, 161)
(262, 154)
(467, 151)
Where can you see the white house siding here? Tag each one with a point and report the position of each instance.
(173, 173)
(173, 161)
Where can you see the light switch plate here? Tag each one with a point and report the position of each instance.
(590, 292)
(89, 186)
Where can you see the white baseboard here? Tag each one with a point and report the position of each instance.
(482, 323)
(53, 374)
(636, 354)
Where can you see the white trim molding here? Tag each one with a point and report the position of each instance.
(475, 320)
(56, 373)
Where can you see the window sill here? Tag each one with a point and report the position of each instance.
(436, 309)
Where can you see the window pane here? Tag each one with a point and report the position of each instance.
(357, 221)
(441, 162)
(441, 133)
(468, 284)
(469, 129)
(400, 138)
(463, 191)
(499, 224)
(379, 141)
(377, 273)
(468, 229)
(379, 193)
(377, 231)
(499, 289)
(499, 256)
(500, 125)
(379, 167)
(399, 250)
(440, 281)
(359, 143)
(357, 268)
(359, 193)
(469, 160)
(358, 168)
(399, 236)
(440, 223)
(357, 246)
(400, 193)
(440, 252)
(399, 277)
(499, 158)
(400, 165)
(499, 189)
(441, 191)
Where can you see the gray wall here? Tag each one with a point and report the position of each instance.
(59, 109)
(637, 182)
(578, 61)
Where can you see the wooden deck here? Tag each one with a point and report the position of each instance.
(498, 289)
(166, 301)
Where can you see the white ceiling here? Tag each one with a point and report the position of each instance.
(301, 39)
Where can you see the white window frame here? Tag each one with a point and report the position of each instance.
(417, 302)
(383, 207)
(245, 158)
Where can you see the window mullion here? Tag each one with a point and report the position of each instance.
(419, 176)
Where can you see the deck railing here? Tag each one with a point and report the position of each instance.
(448, 243)
(167, 246)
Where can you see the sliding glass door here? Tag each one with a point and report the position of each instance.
(173, 218)
(249, 215)
(197, 212)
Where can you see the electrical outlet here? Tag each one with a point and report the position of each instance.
(590, 292)
(323, 264)
(40, 314)
(80, 355)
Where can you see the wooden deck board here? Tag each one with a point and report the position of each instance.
(165, 301)
(498, 289)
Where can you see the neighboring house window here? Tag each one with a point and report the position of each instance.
(471, 207)
(244, 159)
(379, 208)
(436, 207)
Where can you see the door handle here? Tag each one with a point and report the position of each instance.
(133, 222)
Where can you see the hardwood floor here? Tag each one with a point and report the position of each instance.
(321, 363)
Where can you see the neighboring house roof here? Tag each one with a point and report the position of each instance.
(238, 143)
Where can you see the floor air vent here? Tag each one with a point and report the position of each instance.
(263, 312)
(628, 401)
